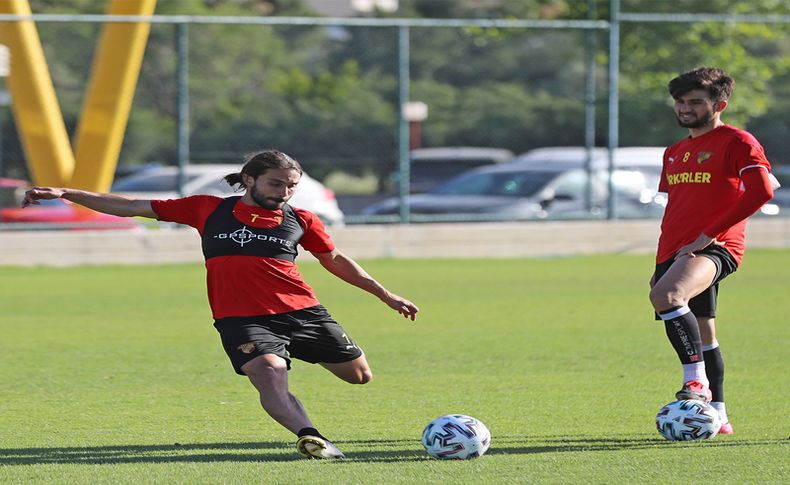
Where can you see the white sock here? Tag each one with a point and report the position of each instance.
(719, 406)
(695, 372)
(710, 346)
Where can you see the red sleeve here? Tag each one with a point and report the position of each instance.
(746, 152)
(191, 211)
(315, 238)
(757, 192)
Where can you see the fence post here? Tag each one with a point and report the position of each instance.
(614, 100)
(182, 45)
(403, 124)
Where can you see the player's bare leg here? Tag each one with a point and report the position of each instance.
(354, 371)
(269, 374)
(686, 278)
(707, 330)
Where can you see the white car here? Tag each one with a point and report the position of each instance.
(162, 183)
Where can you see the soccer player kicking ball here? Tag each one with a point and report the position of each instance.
(715, 179)
(263, 310)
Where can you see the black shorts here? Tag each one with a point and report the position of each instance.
(310, 334)
(704, 304)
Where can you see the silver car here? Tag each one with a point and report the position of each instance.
(432, 166)
(780, 204)
(554, 183)
(162, 183)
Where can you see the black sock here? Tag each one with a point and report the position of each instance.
(683, 331)
(714, 369)
(309, 431)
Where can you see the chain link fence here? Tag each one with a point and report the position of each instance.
(330, 92)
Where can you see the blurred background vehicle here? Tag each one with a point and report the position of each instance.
(782, 195)
(162, 183)
(647, 160)
(546, 183)
(428, 167)
(53, 214)
(431, 166)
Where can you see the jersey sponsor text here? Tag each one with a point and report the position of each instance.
(243, 236)
(688, 178)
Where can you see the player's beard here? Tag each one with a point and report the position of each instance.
(698, 122)
(270, 203)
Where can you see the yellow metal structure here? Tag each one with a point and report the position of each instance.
(35, 106)
(108, 98)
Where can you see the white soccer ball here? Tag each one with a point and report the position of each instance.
(456, 436)
(688, 420)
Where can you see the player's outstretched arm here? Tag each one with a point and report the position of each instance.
(351, 272)
(757, 191)
(116, 205)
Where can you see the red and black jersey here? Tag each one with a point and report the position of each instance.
(702, 178)
(250, 252)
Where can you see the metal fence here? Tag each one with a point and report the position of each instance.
(176, 119)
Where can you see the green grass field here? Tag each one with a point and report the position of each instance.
(115, 375)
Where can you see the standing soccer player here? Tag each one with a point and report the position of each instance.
(715, 179)
(263, 310)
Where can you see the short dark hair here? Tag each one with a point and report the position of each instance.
(717, 83)
(257, 163)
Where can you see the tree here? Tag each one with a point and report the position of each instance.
(653, 53)
(330, 96)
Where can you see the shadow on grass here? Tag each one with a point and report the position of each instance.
(534, 445)
(380, 451)
(187, 453)
(558, 444)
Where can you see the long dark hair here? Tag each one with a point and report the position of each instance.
(257, 163)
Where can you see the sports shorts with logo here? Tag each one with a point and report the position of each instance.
(704, 304)
(310, 334)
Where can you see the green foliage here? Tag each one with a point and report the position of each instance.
(504, 114)
(751, 52)
(115, 375)
(329, 95)
(342, 182)
(542, 9)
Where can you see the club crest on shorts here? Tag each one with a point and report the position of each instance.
(247, 348)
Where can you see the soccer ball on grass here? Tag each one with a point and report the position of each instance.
(456, 436)
(688, 420)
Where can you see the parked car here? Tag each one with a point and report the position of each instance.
(643, 157)
(431, 166)
(550, 183)
(781, 200)
(646, 159)
(55, 213)
(162, 183)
